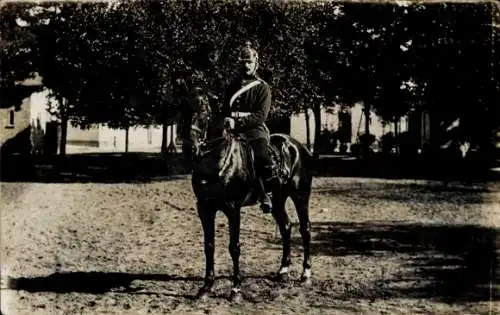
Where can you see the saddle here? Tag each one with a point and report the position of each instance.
(278, 167)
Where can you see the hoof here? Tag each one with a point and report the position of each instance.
(203, 295)
(236, 296)
(305, 279)
(283, 277)
(283, 274)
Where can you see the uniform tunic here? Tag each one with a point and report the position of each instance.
(256, 101)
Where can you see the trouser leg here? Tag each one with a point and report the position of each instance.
(264, 169)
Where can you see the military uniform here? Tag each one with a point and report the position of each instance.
(251, 108)
(248, 101)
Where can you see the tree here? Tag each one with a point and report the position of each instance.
(343, 56)
(16, 54)
(455, 56)
(63, 57)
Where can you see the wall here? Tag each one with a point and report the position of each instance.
(105, 139)
(140, 139)
(83, 137)
(330, 121)
(21, 120)
(38, 109)
(15, 137)
(377, 128)
(298, 127)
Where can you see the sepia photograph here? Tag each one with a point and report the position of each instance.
(249, 157)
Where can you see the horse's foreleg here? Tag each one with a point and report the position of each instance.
(281, 217)
(301, 203)
(234, 218)
(207, 217)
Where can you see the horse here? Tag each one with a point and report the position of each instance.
(224, 179)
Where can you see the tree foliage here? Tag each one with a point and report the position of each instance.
(16, 55)
(131, 63)
(395, 59)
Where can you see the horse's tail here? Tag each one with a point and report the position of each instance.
(308, 159)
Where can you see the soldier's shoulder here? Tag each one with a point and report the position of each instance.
(264, 86)
(262, 81)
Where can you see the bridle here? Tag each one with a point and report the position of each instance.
(204, 144)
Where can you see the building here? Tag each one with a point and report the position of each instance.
(15, 128)
(104, 139)
(23, 126)
(29, 128)
(349, 121)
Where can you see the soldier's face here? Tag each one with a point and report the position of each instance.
(248, 66)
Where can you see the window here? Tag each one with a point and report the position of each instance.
(11, 118)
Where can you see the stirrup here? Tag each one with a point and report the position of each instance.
(266, 204)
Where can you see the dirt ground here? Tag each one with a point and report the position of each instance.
(379, 247)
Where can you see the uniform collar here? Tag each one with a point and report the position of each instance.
(247, 78)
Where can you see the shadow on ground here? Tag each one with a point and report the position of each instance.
(103, 282)
(426, 192)
(449, 263)
(96, 167)
(145, 167)
(88, 282)
(473, 169)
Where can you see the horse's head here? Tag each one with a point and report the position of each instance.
(201, 116)
(209, 138)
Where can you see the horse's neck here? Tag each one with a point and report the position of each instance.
(225, 162)
(236, 160)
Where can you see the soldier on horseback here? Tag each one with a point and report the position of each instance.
(246, 108)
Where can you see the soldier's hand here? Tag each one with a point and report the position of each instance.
(229, 123)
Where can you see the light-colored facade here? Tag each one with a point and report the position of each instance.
(102, 138)
(23, 130)
(15, 129)
(330, 121)
(23, 127)
(29, 122)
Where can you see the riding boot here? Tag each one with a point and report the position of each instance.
(267, 194)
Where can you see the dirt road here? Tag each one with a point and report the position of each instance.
(379, 247)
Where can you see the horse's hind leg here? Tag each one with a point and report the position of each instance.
(301, 202)
(234, 218)
(283, 221)
(207, 217)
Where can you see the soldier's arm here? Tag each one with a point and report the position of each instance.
(259, 116)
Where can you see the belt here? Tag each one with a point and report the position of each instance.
(240, 114)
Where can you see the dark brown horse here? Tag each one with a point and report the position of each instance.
(224, 179)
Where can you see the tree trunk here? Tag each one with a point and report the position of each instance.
(396, 132)
(64, 135)
(126, 138)
(317, 128)
(308, 129)
(164, 139)
(172, 135)
(366, 112)
(64, 126)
